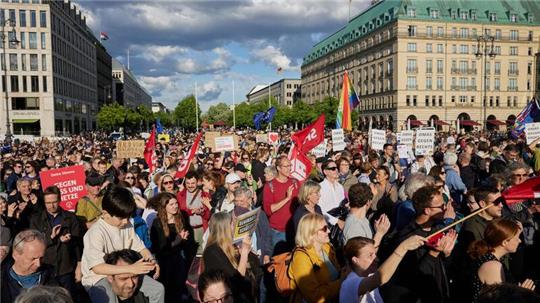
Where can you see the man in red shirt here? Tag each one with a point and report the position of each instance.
(278, 197)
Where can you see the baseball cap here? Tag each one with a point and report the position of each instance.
(94, 179)
(240, 167)
(232, 178)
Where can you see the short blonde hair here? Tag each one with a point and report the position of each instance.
(307, 228)
(306, 189)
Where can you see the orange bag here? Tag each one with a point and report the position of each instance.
(280, 267)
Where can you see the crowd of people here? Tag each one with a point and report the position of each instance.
(358, 229)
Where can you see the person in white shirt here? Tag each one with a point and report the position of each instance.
(332, 193)
(361, 285)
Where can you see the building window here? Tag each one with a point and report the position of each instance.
(464, 49)
(44, 84)
(497, 85)
(440, 31)
(411, 82)
(440, 66)
(429, 66)
(492, 17)
(434, 14)
(11, 36)
(429, 83)
(439, 82)
(453, 99)
(497, 68)
(465, 33)
(411, 12)
(454, 49)
(23, 62)
(513, 51)
(24, 85)
(440, 48)
(33, 40)
(464, 15)
(42, 18)
(12, 16)
(23, 40)
(509, 101)
(32, 18)
(529, 68)
(429, 31)
(513, 18)
(408, 100)
(33, 62)
(512, 84)
(440, 100)
(412, 31)
(514, 35)
(414, 100)
(411, 66)
(454, 32)
(22, 18)
(34, 84)
(411, 47)
(516, 102)
(43, 40)
(44, 62)
(429, 48)
(427, 101)
(14, 83)
(13, 66)
(473, 14)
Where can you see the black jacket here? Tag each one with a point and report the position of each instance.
(63, 256)
(10, 288)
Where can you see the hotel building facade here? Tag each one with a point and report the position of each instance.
(422, 61)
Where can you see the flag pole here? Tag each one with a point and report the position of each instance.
(234, 107)
(269, 103)
(128, 58)
(460, 220)
(196, 109)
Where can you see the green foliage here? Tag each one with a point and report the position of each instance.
(184, 113)
(111, 117)
(219, 112)
(166, 119)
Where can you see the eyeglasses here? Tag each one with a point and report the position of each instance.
(324, 229)
(443, 173)
(28, 166)
(167, 182)
(498, 201)
(18, 166)
(332, 168)
(225, 298)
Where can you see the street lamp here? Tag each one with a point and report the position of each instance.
(488, 50)
(11, 38)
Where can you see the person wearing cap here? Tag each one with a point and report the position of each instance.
(232, 182)
(89, 206)
(246, 176)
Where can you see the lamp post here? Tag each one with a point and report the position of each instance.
(485, 48)
(10, 39)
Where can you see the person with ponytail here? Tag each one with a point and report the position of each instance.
(501, 237)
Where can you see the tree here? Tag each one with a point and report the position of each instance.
(111, 116)
(219, 112)
(166, 119)
(184, 113)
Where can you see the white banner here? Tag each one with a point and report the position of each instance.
(225, 143)
(378, 139)
(319, 151)
(532, 131)
(425, 139)
(406, 137)
(338, 140)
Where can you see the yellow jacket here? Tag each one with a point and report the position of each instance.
(310, 277)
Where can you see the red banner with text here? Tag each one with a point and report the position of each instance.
(71, 182)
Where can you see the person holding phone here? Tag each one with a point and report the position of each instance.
(63, 236)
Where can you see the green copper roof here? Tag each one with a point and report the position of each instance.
(378, 15)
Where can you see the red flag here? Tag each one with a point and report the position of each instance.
(300, 164)
(184, 164)
(309, 137)
(530, 189)
(149, 151)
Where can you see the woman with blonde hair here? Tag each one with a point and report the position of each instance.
(314, 270)
(501, 237)
(166, 184)
(221, 254)
(308, 197)
(169, 240)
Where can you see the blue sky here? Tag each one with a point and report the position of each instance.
(177, 44)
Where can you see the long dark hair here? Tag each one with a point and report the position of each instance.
(160, 202)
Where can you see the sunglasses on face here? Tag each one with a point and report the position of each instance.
(332, 168)
(167, 182)
(130, 178)
(324, 229)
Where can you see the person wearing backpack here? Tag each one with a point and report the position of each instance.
(315, 274)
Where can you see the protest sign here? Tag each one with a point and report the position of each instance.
(425, 139)
(403, 151)
(261, 138)
(209, 139)
(164, 137)
(319, 151)
(71, 182)
(532, 131)
(130, 148)
(450, 140)
(378, 139)
(245, 225)
(225, 143)
(273, 138)
(338, 140)
(406, 137)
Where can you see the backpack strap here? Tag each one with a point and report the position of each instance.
(93, 205)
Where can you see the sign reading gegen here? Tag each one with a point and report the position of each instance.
(71, 182)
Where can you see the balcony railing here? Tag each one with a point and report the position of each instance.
(412, 70)
(512, 89)
(513, 72)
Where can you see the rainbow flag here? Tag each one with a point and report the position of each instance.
(348, 100)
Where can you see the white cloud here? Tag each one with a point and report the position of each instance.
(209, 91)
(157, 53)
(206, 65)
(273, 56)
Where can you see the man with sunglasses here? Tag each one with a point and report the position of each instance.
(332, 193)
(25, 270)
(11, 182)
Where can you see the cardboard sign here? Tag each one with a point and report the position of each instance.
(406, 137)
(403, 151)
(378, 139)
(338, 140)
(165, 137)
(225, 143)
(319, 151)
(71, 182)
(532, 131)
(425, 139)
(261, 138)
(130, 148)
(273, 138)
(209, 139)
(245, 224)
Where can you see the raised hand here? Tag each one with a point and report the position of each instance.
(55, 231)
(382, 225)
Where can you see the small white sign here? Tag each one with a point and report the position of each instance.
(225, 143)
(406, 137)
(378, 139)
(425, 139)
(532, 131)
(403, 151)
(319, 151)
(338, 140)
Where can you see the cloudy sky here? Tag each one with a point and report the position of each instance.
(176, 45)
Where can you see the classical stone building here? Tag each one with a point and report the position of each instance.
(284, 91)
(126, 89)
(423, 61)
